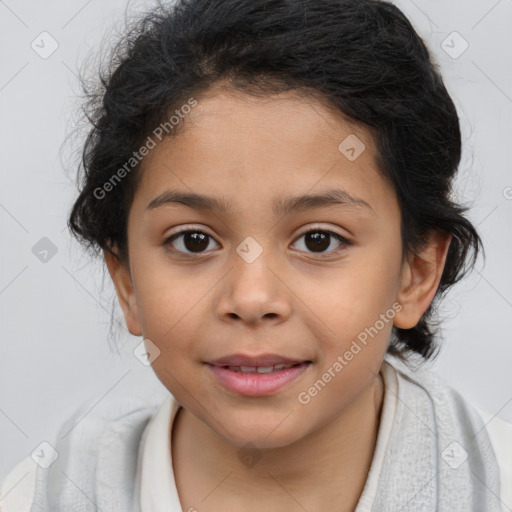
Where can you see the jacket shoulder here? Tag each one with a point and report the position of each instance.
(500, 433)
(17, 488)
(77, 444)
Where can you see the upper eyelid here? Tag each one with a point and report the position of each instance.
(320, 228)
(302, 232)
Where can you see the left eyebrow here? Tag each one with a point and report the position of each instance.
(331, 197)
(281, 206)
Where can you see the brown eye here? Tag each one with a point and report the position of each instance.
(190, 241)
(319, 241)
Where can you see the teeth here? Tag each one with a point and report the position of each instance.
(259, 369)
(264, 369)
(249, 369)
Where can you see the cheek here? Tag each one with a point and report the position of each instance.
(350, 298)
(164, 293)
(171, 307)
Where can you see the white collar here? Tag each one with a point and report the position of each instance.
(158, 491)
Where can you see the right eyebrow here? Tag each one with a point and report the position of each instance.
(192, 200)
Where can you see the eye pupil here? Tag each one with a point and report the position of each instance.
(194, 240)
(319, 240)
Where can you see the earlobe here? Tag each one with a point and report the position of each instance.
(421, 275)
(121, 277)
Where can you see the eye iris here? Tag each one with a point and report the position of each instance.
(195, 241)
(319, 240)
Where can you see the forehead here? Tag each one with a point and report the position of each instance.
(249, 149)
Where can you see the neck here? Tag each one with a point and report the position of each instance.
(335, 459)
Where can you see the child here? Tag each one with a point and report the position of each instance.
(308, 150)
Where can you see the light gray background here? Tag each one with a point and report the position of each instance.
(55, 315)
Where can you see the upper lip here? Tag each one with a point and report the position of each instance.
(264, 360)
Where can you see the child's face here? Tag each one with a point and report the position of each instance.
(298, 300)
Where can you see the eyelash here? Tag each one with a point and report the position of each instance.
(344, 242)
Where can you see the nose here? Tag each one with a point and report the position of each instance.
(252, 293)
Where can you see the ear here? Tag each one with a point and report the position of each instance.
(121, 277)
(421, 275)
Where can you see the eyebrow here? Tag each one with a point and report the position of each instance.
(281, 206)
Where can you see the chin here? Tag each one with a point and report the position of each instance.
(263, 431)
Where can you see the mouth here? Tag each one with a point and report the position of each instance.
(260, 369)
(256, 376)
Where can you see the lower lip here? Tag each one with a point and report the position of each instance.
(254, 383)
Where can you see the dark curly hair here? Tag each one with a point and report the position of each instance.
(363, 58)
